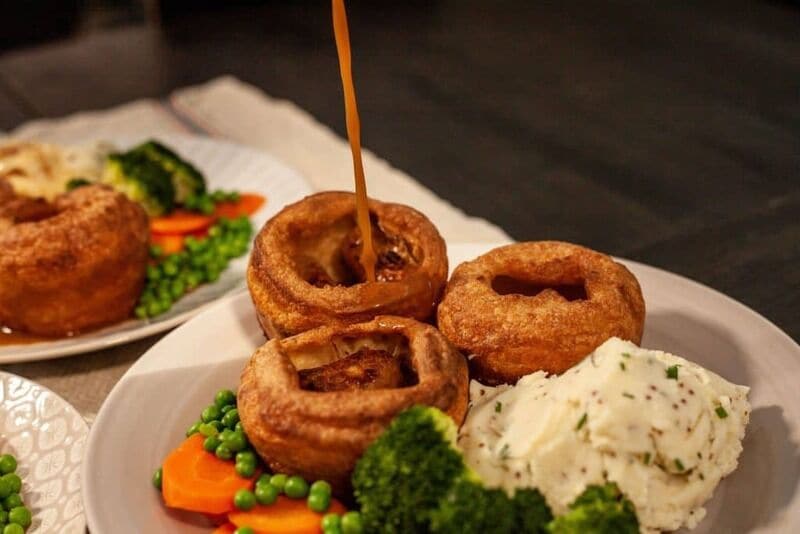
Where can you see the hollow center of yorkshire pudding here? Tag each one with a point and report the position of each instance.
(331, 257)
(347, 363)
(509, 285)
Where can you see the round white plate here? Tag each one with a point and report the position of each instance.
(226, 166)
(47, 437)
(148, 411)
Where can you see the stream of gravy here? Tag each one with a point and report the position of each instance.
(342, 36)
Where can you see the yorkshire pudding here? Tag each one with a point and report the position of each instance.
(72, 265)
(536, 306)
(304, 270)
(312, 403)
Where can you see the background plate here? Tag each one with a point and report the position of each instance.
(179, 375)
(226, 166)
(47, 436)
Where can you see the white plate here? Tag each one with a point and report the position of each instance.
(146, 414)
(47, 436)
(226, 166)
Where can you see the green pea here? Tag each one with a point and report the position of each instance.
(170, 268)
(279, 481)
(352, 523)
(12, 501)
(320, 486)
(296, 487)
(239, 427)
(208, 429)
(177, 288)
(233, 196)
(158, 476)
(5, 489)
(266, 493)
(228, 407)
(212, 274)
(206, 206)
(244, 530)
(194, 429)
(223, 452)
(245, 469)
(214, 231)
(14, 481)
(210, 413)
(140, 312)
(225, 397)
(247, 456)
(331, 521)
(153, 272)
(192, 280)
(231, 418)
(319, 502)
(13, 528)
(8, 464)
(154, 308)
(235, 441)
(211, 443)
(244, 499)
(20, 515)
(156, 251)
(3, 518)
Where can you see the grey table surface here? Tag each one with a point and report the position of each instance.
(665, 132)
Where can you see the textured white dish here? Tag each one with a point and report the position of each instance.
(176, 378)
(226, 166)
(47, 436)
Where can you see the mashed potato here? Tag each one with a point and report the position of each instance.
(664, 429)
(41, 170)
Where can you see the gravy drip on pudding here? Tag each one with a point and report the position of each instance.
(367, 257)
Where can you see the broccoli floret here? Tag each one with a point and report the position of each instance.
(141, 180)
(186, 179)
(532, 511)
(413, 478)
(404, 474)
(598, 510)
(470, 508)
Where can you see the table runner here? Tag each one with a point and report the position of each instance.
(230, 109)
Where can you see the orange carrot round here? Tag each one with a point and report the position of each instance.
(285, 516)
(248, 204)
(169, 243)
(198, 481)
(180, 222)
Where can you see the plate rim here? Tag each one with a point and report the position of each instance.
(232, 300)
(49, 350)
(86, 430)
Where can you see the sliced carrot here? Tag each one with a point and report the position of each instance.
(169, 243)
(248, 204)
(198, 481)
(285, 516)
(227, 528)
(180, 222)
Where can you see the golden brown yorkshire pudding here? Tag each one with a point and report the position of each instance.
(304, 270)
(534, 306)
(72, 265)
(312, 403)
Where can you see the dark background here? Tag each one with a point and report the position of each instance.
(666, 132)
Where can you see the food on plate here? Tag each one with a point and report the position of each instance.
(78, 266)
(305, 267)
(40, 170)
(15, 517)
(75, 253)
(414, 478)
(540, 305)
(302, 421)
(215, 472)
(664, 429)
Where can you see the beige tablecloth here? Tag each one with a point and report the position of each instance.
(230, 109)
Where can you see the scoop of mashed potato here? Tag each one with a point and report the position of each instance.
(664, 429)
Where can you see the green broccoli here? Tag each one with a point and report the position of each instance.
(404, 474)
(470, 508)
(141, 180)
(413, 478)
(598, 510)
(75, 183)
(187, 180)
(532, 511)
